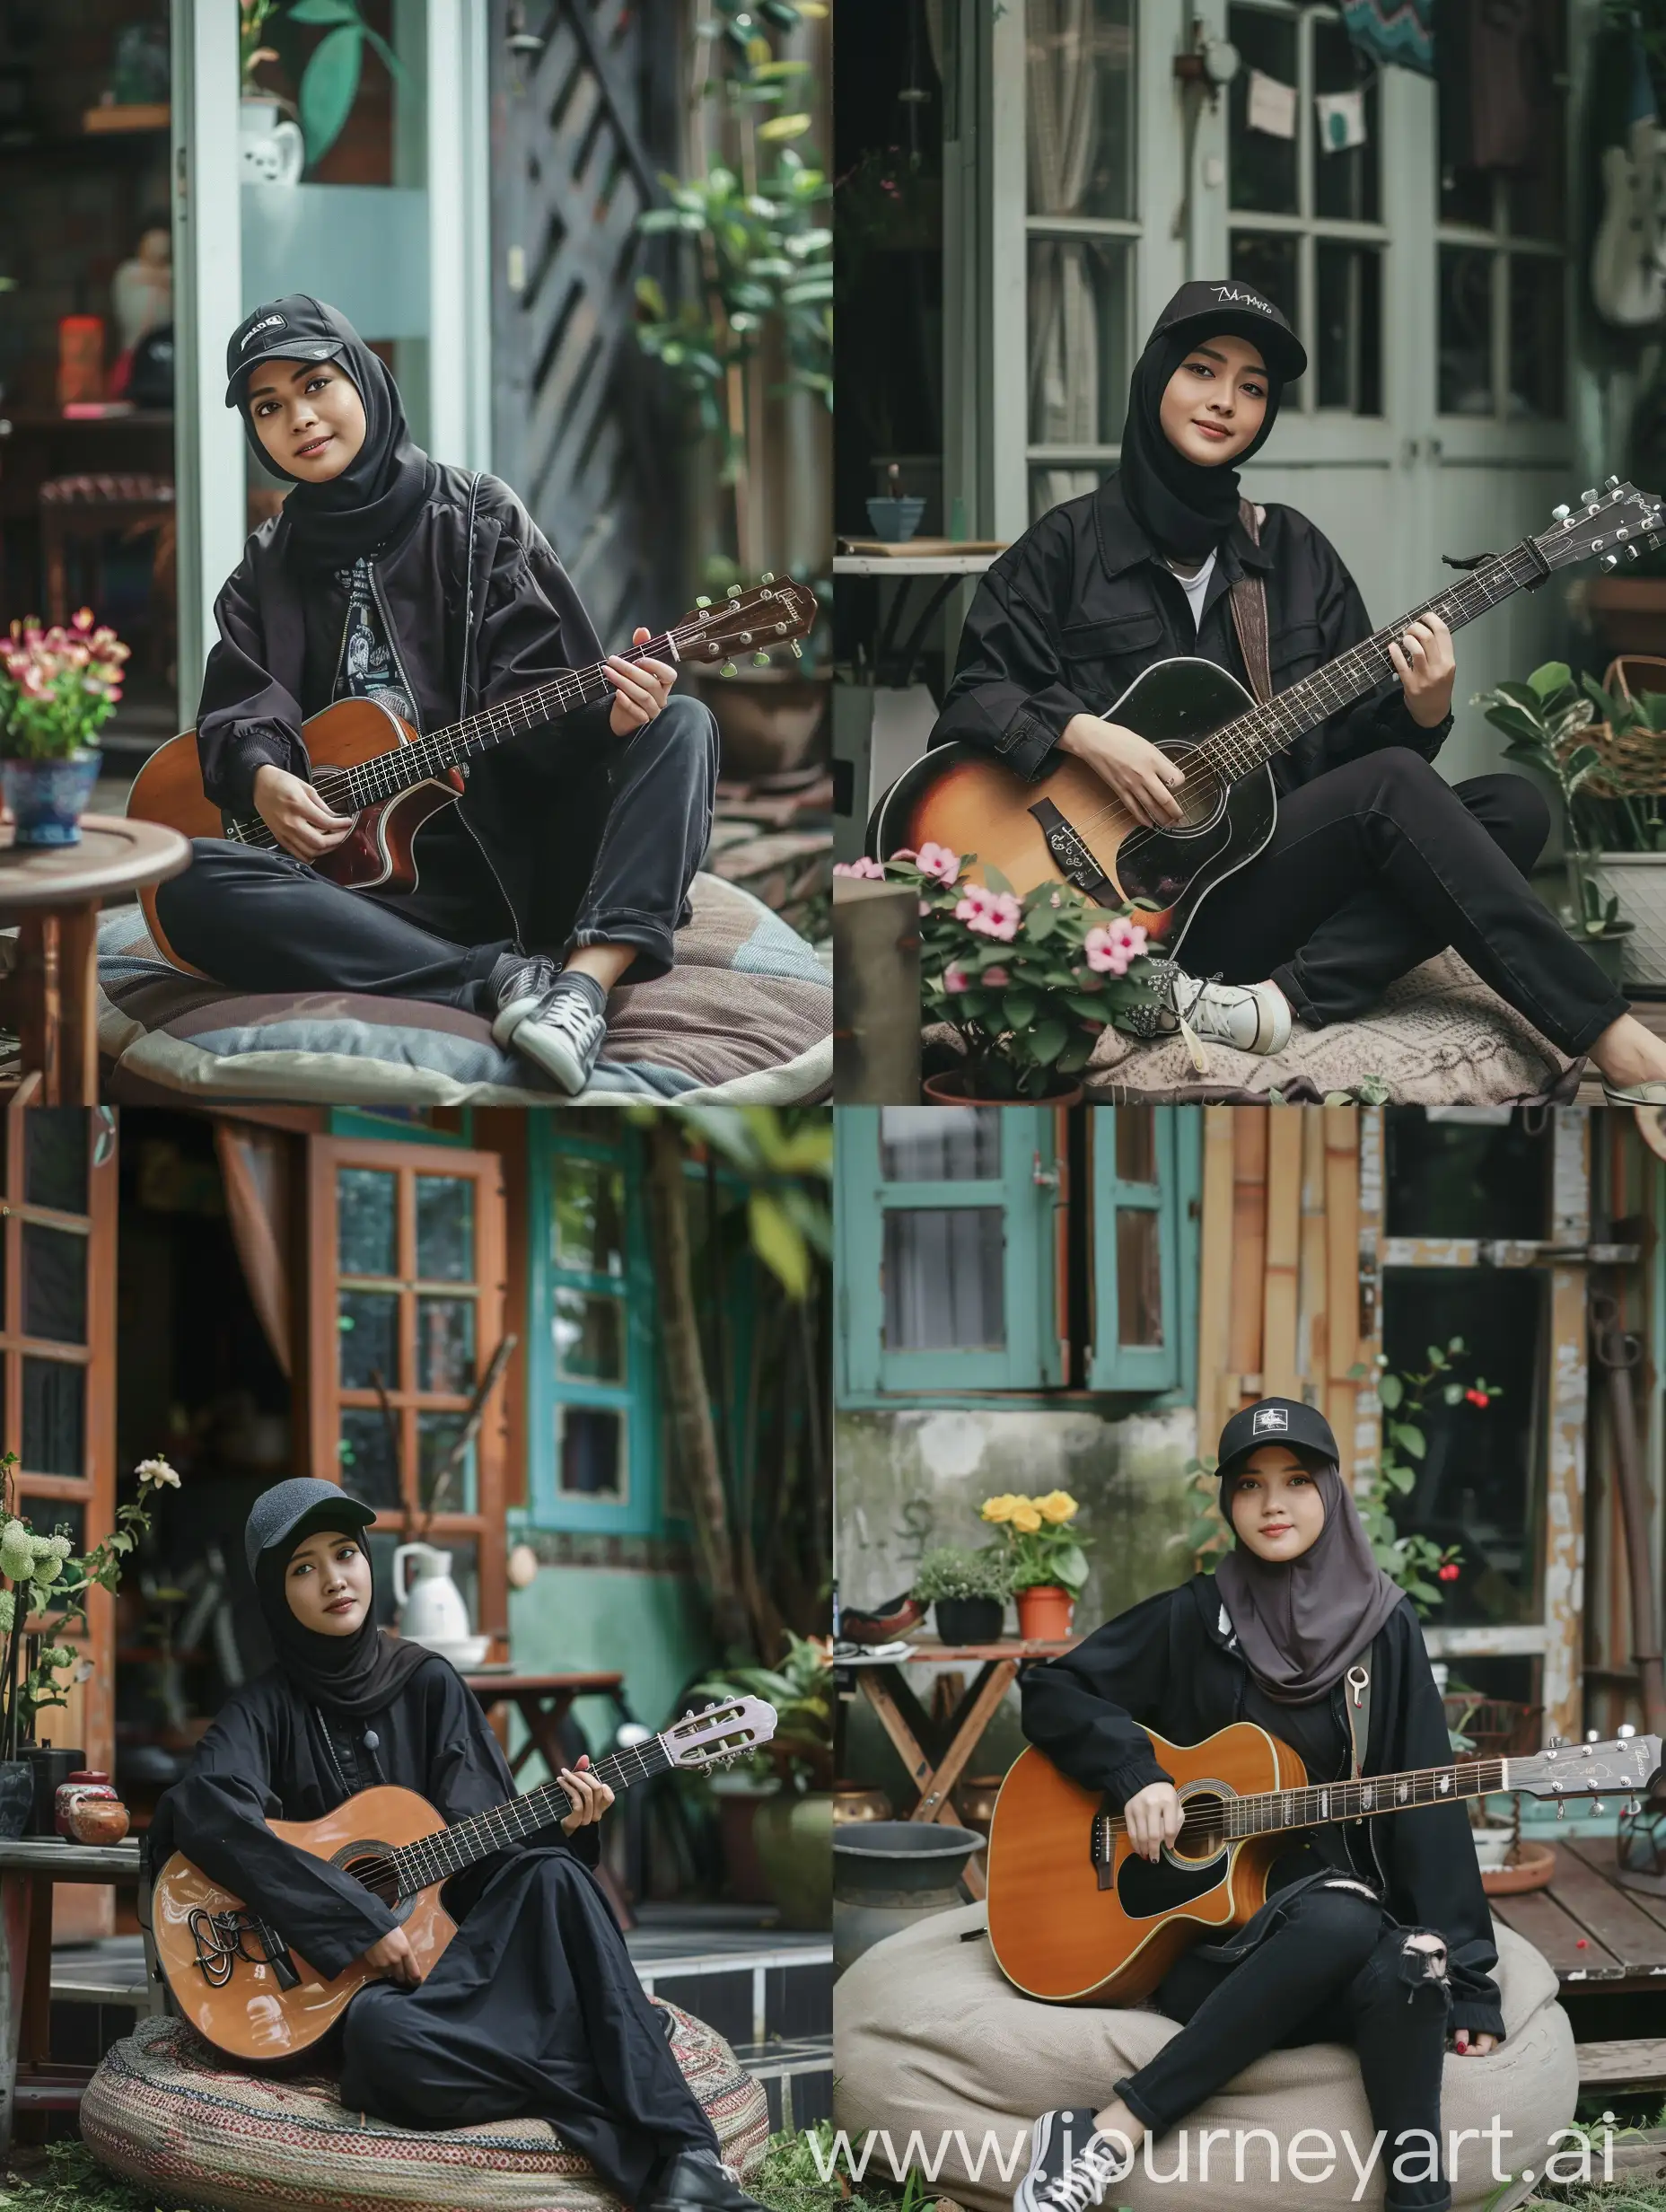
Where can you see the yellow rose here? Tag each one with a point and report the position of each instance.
(1025, 1518)
(998, 1508)
(1057, 1505)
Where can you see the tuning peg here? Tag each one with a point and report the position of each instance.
(1561, 1808)
(1631, 1808)
(767, 577)
(1556, 1743)
(1596, 1804)
(727, 669)
(734, 591)
(1625, 1729)
(1608, 560)
(1591, 1736)
(1631, 552)
(1561, 514)
(798, 650)
(701, 603)
(1610, 483)
(760, 660)
(1588, 499)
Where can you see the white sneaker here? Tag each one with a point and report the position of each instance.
(1071, 2164)
(560, 1030)
(1250, 1017)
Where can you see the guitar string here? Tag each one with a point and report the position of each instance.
(1464, 1776)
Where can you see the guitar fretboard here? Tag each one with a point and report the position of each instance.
(1320, 1801)
(434, 1858)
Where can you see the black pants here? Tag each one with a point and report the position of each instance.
(1381, 864)
(1333, 1971)
(629, 844)
(534, 2010)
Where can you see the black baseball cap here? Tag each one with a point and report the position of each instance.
(1207, 305)
(1276, 1420)
(296, 327)
(290, 1511)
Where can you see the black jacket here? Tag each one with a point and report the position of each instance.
(1066, 618)
(478, 608)
(1171, 1664)
(267, 1758)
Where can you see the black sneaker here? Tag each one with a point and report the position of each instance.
(1071, 2164)
(561, 1031)
(522, 983)
(696, 2181)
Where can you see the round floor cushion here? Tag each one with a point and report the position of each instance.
(930, 2036)
(165, 2111)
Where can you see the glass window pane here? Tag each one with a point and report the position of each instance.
(370, 1466)
(940, 1144)
(944, 1287)
(1263, 168)
(445, 1346)
(1461, 1178)
(1267, 262)
(1139, 1277)
(464, 1555)
(590, 1337)
(367, 1328)
(367, 1226)
(55, 1158)
(444, 1228)
(56, 1516)
(1079, 106)
(589, 1217)
(590, 1451)
(1466, 330)
(1136, 1143)
(1535, 338)
(1080, 353)
(55, 1283)
(1466, 195)
(1051, 488)
(54, 1402)
(1349, 323)
(436, 1436)
(1345, 177)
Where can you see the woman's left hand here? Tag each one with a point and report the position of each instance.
(1470, 2045)
(1426, 665)
(590, 1796)
(641, 688)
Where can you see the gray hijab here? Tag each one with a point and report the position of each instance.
(1300, 1623)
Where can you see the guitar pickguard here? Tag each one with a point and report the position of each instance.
(1145, 1891)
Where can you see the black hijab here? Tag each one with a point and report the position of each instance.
(1300, 1623)
(352, 1675)
(375, 499)
(1183, 507)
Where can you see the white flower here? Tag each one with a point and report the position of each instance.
(156, 1475)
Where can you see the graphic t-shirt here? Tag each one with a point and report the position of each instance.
(367, 669)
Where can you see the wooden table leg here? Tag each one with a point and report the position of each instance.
(14, 1897)
(78, 992)
(543, 1713)
(39, 1010)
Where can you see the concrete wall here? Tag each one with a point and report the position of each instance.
(910, 1478)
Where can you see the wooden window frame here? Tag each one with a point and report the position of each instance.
(1174, 1197)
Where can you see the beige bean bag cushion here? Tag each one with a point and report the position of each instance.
(930, 2035)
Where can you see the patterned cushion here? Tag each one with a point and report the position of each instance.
(745, 1016)
(165, 2111)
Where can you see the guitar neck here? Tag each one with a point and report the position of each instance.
(436, 1858)
(1252, 738)
(1318, 1803)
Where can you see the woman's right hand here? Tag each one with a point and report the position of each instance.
(297, 815)
(1140, 774)
(393, 1959)
(1153, 1818)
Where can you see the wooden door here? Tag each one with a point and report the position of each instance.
(405, 1297)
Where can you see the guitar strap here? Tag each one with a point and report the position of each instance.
(1357, 1701)
(1250, 611)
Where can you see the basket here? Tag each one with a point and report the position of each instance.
(1498, 1727)
(1634, 764)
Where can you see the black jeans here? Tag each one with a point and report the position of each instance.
(1335, 1970)
(1381, 864)
(262, 921)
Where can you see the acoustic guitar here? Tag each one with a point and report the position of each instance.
(1077, 1916)
(253, 1997)
(369, 764)
(1070, 826)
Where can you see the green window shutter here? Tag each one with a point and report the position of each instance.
(1146, 1177)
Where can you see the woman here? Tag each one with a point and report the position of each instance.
(1377, 1934)
(533, 2010)
(1376, 862)
(391, 577)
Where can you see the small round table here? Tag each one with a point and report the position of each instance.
(55, 892)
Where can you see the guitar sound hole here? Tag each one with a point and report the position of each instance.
(1203, 1829)
(331, 785)
(370, 1867)
(1201, 796)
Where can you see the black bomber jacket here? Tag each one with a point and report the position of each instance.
(1069, 615)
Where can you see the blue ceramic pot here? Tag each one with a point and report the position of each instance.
(895, 520)
(48, 798)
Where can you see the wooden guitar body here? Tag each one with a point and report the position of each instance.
(259, 2013)
(1071, 826)
(1077, 1928)
(169, 788)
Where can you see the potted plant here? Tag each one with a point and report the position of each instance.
(276, 147)
(793, 1827)
(1029, 983)
(1045, 1558)
(969, 1589)
(57, 690)
(43, 1581)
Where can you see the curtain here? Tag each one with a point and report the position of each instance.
(254, 1166)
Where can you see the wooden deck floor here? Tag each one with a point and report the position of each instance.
(1597, 1935)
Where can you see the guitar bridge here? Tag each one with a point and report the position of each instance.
(220, 1939)
(1076, 863)
(1102, 1847)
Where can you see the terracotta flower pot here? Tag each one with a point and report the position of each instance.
(1044, 1612)
(950, 1090)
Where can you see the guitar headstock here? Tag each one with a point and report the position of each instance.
(719, 1733)
(753, 620)
(1617, 524)
(1625, 1766)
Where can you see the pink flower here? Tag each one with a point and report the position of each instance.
(1111, 950)
(955, 978)
(990, 913)
(939, 861)
(997, 979)
(870, 869)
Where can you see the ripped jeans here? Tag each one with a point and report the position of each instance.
(1334, 1970)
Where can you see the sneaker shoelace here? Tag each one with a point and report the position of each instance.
(1086, 2178)
(569, 1011)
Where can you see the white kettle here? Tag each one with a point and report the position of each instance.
(431, 1608)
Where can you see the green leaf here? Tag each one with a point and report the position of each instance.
(1388, 1391)
(323, 12)
(1045, 1041)
(779, 1242)
(328, 87)
(993, 878)
(1076, 1055)
(1410, 1439)
(1550, 676)
(1018, 1009)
